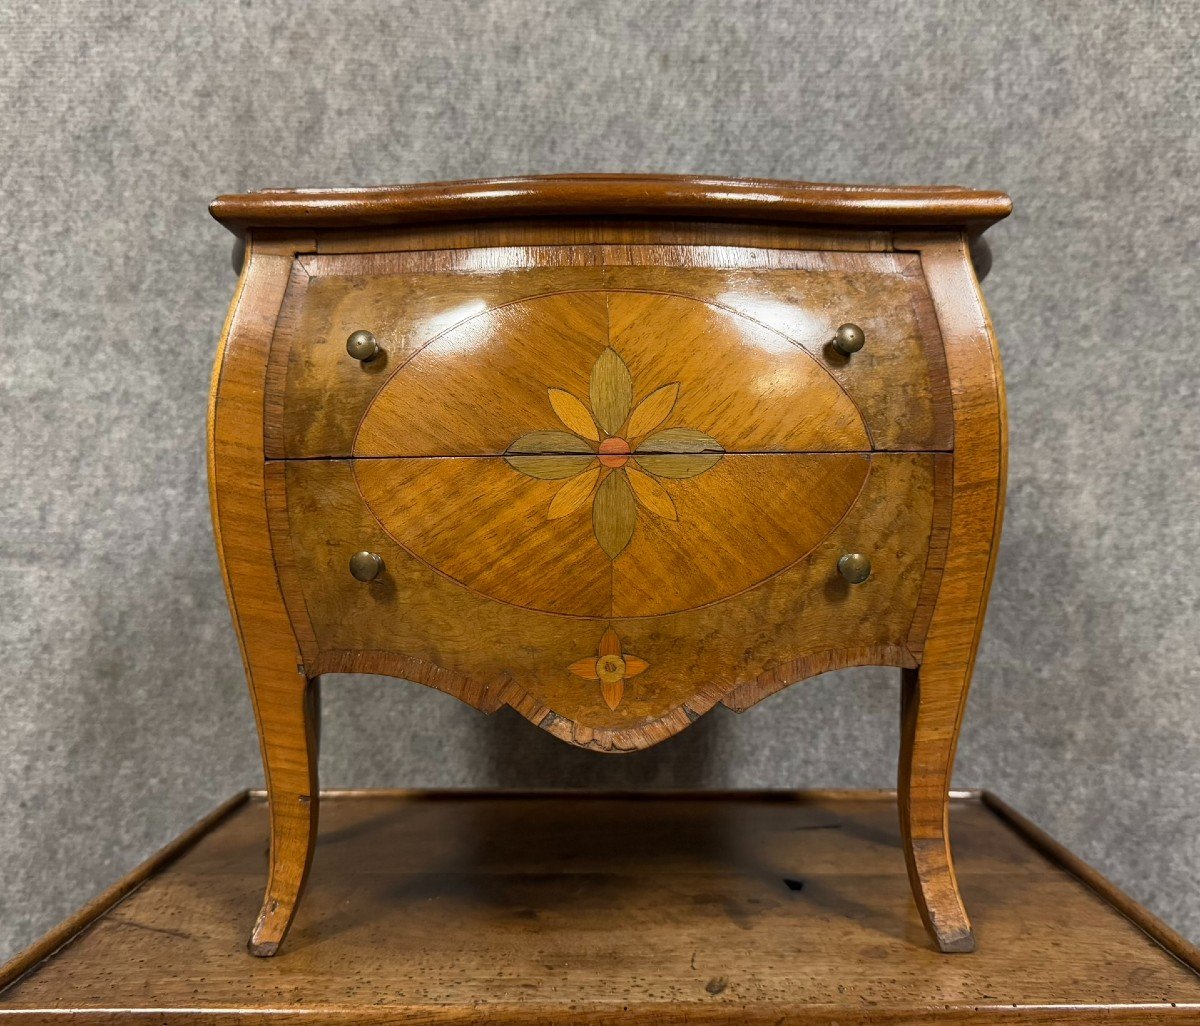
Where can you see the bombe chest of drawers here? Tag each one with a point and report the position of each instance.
(609, 450)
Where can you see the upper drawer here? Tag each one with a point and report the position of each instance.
(558, 350)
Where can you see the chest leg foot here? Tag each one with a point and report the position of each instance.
(286, 707)
(931, 701)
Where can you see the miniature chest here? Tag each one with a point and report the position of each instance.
(609, 450)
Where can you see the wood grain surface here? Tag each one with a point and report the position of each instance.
(478, 387)
(721, 532)
(453, 329)
(600, 231)
(626, 195)
(417, 622)
(284, 698)
(671, 909)
(935, 693)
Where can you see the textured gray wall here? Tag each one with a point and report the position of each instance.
(124, 713)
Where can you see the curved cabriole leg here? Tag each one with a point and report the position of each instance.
(935, 694)
(283, 697)
(286, 707)
(929, 714)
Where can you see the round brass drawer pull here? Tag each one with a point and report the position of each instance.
(362, 346)
(848, 339)
(855, 567)
(366, 566)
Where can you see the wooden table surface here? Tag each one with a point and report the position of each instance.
(485, 907)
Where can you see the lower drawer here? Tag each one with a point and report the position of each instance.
(610, 615)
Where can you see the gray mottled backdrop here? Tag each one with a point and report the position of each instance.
(123, 714)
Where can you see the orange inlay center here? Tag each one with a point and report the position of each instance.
(610, 668)
(614, 452)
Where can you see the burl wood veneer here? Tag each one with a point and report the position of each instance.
(609, 450)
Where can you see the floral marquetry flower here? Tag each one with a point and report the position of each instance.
(611, 455)
(610, 667)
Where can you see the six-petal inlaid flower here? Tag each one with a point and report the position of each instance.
(611, 667)
(611, 454)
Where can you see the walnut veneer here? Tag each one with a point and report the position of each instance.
(597, 448)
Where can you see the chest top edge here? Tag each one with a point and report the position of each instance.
(653, 196)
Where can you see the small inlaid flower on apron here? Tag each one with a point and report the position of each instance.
(611, 454)
(611, 667)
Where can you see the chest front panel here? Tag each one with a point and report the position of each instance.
(473, 314)
(608, 485)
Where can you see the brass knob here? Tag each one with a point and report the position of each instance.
(362, 346)
(366, 566)
(855, 567)
(848, 339)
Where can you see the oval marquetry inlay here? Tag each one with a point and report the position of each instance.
(528, 367)
(625, 454)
